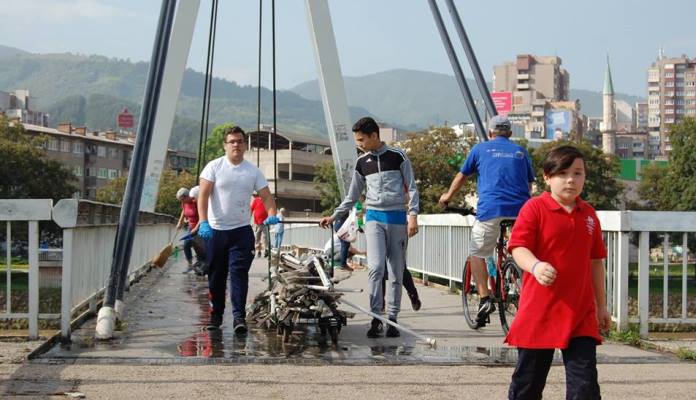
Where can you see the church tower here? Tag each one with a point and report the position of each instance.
(609, 115)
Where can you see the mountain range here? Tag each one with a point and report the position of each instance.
(91, 90)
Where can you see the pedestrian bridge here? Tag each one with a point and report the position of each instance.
(166, 309)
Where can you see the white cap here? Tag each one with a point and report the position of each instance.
(194, 192)
(181, 193)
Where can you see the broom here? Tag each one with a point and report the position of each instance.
(161, 258)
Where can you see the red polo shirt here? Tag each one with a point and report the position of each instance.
(258, 210)
(549, 316)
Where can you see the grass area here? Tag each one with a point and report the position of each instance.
(629, 336)
(686, 354)
(19, 279)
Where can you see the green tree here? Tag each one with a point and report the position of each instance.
(673, 188)
(436, 156)
(327, 185)
(25, 171)
(602, 189)
(167, 203)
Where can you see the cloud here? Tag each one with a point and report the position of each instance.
(61, 10)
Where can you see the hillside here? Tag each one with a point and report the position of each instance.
(90, 89)
(419, 98)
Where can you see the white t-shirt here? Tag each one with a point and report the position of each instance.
(228, 206)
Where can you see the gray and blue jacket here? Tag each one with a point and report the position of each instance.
(387, 176)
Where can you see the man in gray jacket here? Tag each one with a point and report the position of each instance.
(386, 175)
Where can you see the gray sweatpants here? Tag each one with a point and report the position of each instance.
(385, 243)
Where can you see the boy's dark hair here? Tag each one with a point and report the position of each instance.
(366, 126)
(234, 130)
(561, 158)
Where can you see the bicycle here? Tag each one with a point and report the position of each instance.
(505, 287)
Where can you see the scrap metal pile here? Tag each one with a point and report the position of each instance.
(300, 292)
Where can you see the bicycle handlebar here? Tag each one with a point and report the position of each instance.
(461, 210)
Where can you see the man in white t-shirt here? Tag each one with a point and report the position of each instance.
(226, 185)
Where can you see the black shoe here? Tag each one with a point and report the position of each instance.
(239, 326)
(392, 331)
(215, 321)
(375, 329)
(486, 307)
(258, 254)
(415, 303)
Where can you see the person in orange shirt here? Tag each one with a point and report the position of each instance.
(259, 215)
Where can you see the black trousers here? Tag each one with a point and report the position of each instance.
(407, 282)
(580, 360)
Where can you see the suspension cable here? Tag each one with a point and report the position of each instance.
(207, 86)
(275, 129)
(258, 91)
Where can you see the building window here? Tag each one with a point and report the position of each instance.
(53, 144)
(91, 171)
(691, 84)
(669, 84)
(114, 173)
(669, 94)
(669, 102)
(691, 111)
(77, 148)
(103, 173)
(680, 83)
(101, 151)
(77, 170)
(669, 74)
(691, 93)
(65, 146)
(680, 93)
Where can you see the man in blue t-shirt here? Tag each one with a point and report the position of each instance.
(504, 182)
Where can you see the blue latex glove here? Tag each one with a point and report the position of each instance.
(271, 220)
(205, 231)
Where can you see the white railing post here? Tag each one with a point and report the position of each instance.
(643, 281)
(33, 280)
(450, 248)
(622, 281)
(66, 285)
(685, 258)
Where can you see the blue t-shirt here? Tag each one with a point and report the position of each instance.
(504, 172)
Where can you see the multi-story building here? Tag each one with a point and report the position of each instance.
(297, 157)
(642, 116)
(95, 158)
(631, 145)
(535, 83)
(671, 97)
(17, 106)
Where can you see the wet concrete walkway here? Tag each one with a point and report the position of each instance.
(166, 314)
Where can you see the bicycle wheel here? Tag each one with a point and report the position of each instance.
(510, 293)
(470, 296)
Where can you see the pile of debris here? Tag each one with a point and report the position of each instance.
(300, 292)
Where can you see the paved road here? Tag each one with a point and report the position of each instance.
(164, 352)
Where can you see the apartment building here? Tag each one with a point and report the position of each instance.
(671, 97)
(95, 158)
(535, 82)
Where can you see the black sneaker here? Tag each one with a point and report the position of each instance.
(215, 321)
(392, 331)
(239, 326)
(486, 307)
(375, 329)
(415, 303)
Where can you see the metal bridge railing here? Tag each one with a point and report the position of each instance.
(441, 248)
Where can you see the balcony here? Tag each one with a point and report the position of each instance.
(523, 86)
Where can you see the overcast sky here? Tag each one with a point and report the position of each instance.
(374, 35)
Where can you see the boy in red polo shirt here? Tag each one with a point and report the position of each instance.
(557, 240)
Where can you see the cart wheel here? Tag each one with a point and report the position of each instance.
(333, 331)
(287, 330)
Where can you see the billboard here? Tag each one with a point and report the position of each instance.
(558, 124)
(502, 102)
(125, 119)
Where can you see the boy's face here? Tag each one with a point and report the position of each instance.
(367, 142)
(568, 183)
